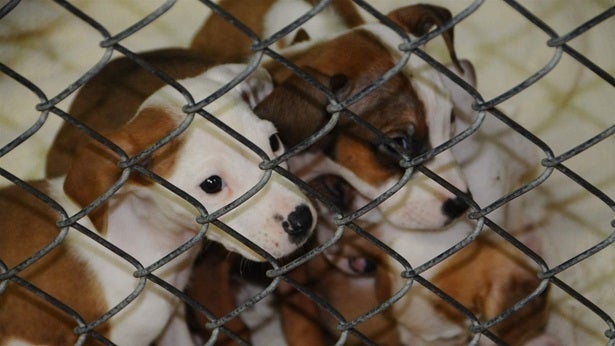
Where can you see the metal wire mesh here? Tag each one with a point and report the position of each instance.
(560, 45)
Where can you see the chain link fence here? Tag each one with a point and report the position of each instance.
(572, 244)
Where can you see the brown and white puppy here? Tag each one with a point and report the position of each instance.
(355, 276)
(413, 109)
(144, 219)
(496, 160)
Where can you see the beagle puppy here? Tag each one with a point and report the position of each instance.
(160, 206)
(354, 276)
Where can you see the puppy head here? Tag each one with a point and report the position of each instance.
(413, 109)
(488, 278)
(205, 162)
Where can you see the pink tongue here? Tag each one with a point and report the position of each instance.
(358, 264)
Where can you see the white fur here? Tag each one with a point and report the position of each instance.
(146, 243)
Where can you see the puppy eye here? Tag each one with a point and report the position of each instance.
(212, 184)
(274, 142)
(402, 143)
(453, 124)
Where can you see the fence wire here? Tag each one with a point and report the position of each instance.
(560, 44)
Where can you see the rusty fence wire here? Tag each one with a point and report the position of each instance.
(560, 44)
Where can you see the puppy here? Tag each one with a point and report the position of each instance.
(489, 275)
(413, 110)
(354, 276)
(144, 219)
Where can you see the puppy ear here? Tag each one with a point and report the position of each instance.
(296, 108)
(95, 168)
(462, 100)
(419, 19)
(253, 89)
(256, 87)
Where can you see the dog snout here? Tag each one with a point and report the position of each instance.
(299, 222)
(454, 207)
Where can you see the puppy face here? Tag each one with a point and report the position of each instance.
(208, 164)
(486, 277)
(413, 109)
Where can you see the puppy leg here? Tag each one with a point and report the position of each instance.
(176, 331)
(210, 286)
(299, 315)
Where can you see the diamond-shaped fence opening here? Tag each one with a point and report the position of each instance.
(529, 262)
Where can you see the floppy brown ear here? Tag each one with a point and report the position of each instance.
(462, 100)
(419, 19)
(95, 168)
(297, 108)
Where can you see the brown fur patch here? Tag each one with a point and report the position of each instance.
(95, 167)
(488, 278)
(210, 285)
(222, 41)
(27, 225)
(234, 45)
(354, 155)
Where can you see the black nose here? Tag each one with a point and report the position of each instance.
(299, 222)
(454, 207)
